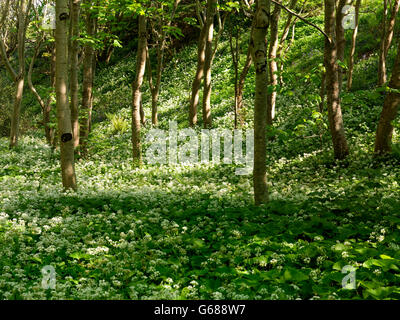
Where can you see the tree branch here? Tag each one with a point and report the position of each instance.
(304, 20)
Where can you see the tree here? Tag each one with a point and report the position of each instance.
(332, 84)
(386, 40)
(209, 30)
(201, 54)
(89, 66)
(22, 12)
(160, 28)
(273, 66)
(353, 45)
(340, 39)
(207, 48)
(282, 48)
(259, 53)
(136, 89)
(384, 131)
(42, 36)
(73, 65)
(240, 87)
(63, 110)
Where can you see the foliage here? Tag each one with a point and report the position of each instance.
(192, 232)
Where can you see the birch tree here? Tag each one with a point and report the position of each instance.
(63, 109)
(18, 74)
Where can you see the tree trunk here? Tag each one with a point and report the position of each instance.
(209, 25)
(384, 132)
(386, 41)
(282, 50)
(74, 86)
(194, 100)
(273, 66)
(23, 8)
(242, 80)
(259, 53)
(235, 55)
(50, 132)
(63, 110)
(136, 90)
(353, 45)
(322, 91)
(161, 41)
(340, 39)
(332, 85)
(14, 130)
(87, 84)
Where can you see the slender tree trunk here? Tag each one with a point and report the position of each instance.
(154, 89)
(201, 54)
(322, 91)
(63, 110)
(384, 132)
(259, 53)
(14, 130)
(211, 7)
(282, 50)
(387, 37)
(161, 42)
(50, 132)
(288, 23)
(340, 39)
(87, 84)
(45, 106)
(136, 90)
(74, 86)
(353, 45)
(235, 54)
(273, 66)
(332, 85)
(241, 83)
(142, 115)
(23, 8)
(382, 58)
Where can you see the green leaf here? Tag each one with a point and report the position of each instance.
(292, 274)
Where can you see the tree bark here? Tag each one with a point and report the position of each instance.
(353, 45)
(273, 66)
(386, 41)
(74, 86)
(14, 130)
(235, 55)
(23, 8)
(322, 91)
(259, 54)
(241, 83)
(87, 83)
(201, 53)
(384, 132)
(282, 50)
(63, 110)
(209, 25)
(340, 39)
(136, 90)
(332, 85)
(161, 36)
